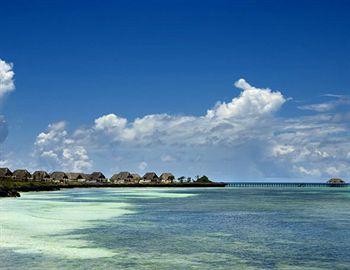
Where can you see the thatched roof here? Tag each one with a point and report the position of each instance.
(97, 176)
(21, 174)
(152, 176)
(40, 175)
(86, 176)
(136, 176)
(167, 177)
(5, 172)
(336, 181)
(75, 176)
(122, 176)
(58, 176)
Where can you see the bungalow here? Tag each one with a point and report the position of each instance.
(167, 178)
(59, 176)
(98, 177)
(335, 182)
(5, 173)
(150, 177)
(136, 177)
(122, 178)
(41, 176)
(86, 176)
(76, 177)
(22, 175)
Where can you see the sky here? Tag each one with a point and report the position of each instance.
(236, 90)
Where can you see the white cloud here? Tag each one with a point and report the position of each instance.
(308, 172)
(320, 107)
(3, 129)
(142, 166)
(6, 78)
(327, 106)
(6, 85)
(252, 102)
(281, 150)
(56, 150)
(167, 158)
(110, 122)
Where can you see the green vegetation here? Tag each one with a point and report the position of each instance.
(203, 179)
(10, 188)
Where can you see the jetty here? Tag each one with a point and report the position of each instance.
(283, 185)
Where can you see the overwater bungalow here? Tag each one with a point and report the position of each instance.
(150, 177)
(5, 173)
(167, 178)
(41, 176)
(21, 175)
(335, 182)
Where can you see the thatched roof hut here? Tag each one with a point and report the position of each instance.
(150, 177)
(136, 177)
(122, 177)
(40, 175)
(167, 177)
(21, 175)
(5, 172)
(58, 176)
(336, 181)
(86, 176)
(97, 176)
(75, 176)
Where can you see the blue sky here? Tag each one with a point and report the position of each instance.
(77, 62)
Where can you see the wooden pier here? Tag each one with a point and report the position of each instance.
(282, 185)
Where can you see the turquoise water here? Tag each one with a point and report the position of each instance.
(221, 228)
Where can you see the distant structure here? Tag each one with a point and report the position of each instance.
(75, 176)
(336, 182)
(97, 176)
(122, 178)
(5, 173)
(150, 177)
(59, 176)
(136, 177)
(86, 176)
(41, 176)
(167, 178)
(22, 175)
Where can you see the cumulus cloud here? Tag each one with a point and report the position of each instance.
(6, 78)
(55, 149)
(243, 138)
(252, 102)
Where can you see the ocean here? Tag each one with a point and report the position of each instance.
(177, 228)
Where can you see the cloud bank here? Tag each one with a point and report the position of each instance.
(240, 139)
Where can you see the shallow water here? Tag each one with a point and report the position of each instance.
(221, 228)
